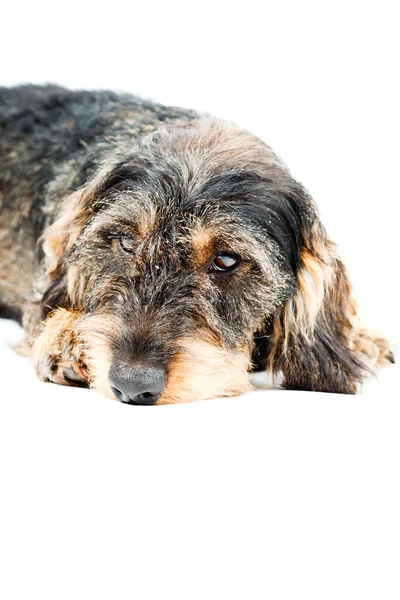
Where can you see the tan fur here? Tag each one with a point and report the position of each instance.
(374, 348)
(76, 283)
(146, 222)
(202, 245)
(202, 371)
(58, 354)
(315, 279)
(94, 331)
(62, 234)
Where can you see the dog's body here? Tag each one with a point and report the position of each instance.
(157, 255)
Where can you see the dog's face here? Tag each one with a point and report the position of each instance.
(177, 256)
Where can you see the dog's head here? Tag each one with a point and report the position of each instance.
(178, 256)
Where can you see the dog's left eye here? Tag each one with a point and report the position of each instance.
(127, 244)
(225, 262)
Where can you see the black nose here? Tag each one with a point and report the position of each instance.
(136, 385)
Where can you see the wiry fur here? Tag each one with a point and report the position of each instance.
(81, 170)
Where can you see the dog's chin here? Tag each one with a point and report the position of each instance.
(199, 371)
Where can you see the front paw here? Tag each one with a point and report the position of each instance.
(63, 370)
(376, 350)
(58, 353)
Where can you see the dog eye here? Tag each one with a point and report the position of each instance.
(127, 244)
(225, 262)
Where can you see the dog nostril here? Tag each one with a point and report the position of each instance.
(136, 385)
(117, 393)
(146, 395)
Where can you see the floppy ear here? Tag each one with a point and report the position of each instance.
(58, 240)
(317, 341)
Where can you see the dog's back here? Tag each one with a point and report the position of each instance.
(43, 128)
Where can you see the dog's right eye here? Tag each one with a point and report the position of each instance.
(225, 262)
(126, 244)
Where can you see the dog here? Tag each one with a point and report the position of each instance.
(158, 255)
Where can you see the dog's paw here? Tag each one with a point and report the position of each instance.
(63, 369)
(376, 349)
(58, 353)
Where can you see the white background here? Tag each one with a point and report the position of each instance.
(276, 494)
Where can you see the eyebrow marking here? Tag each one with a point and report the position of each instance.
(202, 244)
(146, 221)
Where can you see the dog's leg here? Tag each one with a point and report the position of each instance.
(58, 352)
